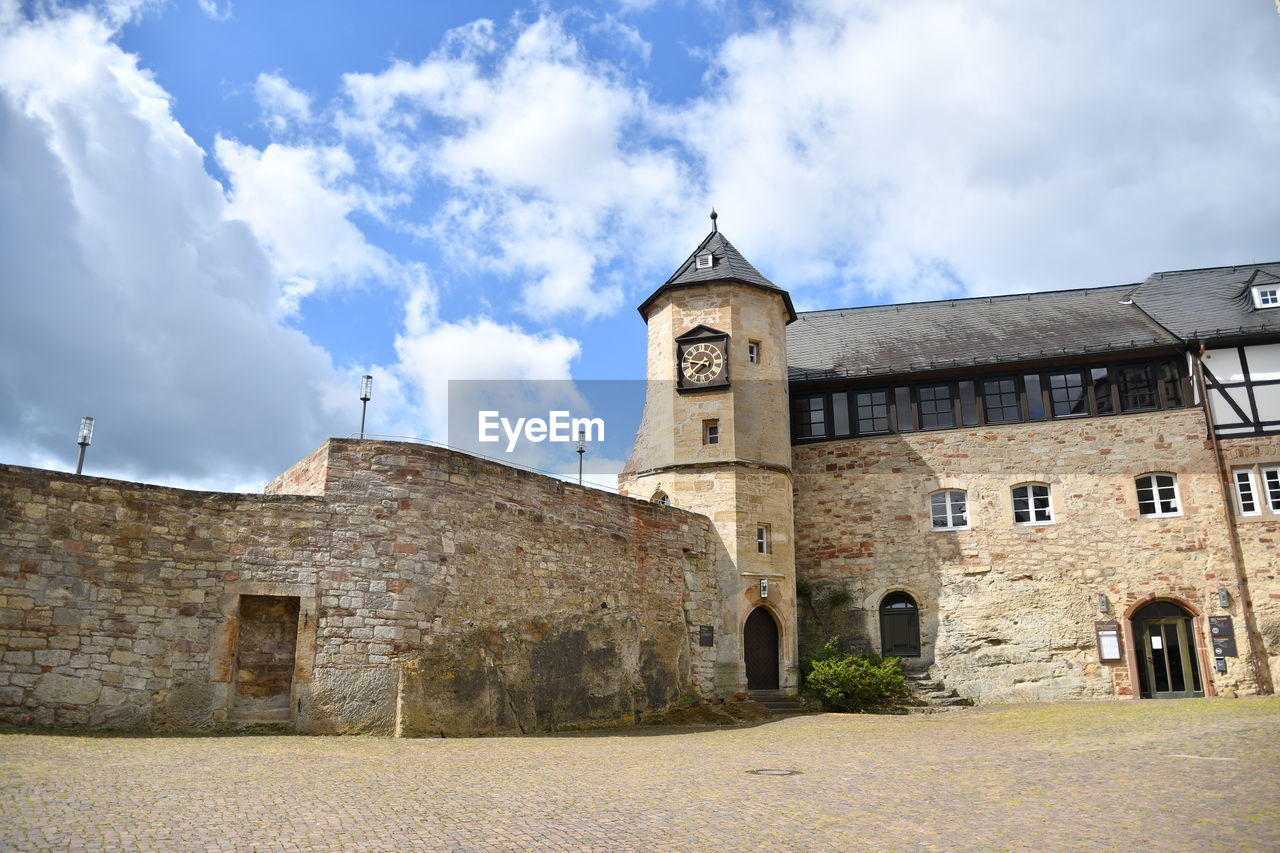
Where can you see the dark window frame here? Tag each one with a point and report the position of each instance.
(1019, 392)
(954, 397)
(855, 419)
(1171, 390)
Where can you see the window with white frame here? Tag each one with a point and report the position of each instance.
(1158, 495)
(1031, 504)
(949, 510)
(1246, 491)
(1271, 488)
(1266, 296)
(1257, 489)
(705, 261)
(753, 352)
(764, 539)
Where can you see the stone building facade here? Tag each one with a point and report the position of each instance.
(1036, 497)
(397, 589)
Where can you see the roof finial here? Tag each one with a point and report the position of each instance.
(714, 217)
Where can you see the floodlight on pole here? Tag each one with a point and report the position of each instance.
(582, 450)
(85, 439)
(366, 392)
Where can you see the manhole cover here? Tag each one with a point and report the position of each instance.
(771, 772)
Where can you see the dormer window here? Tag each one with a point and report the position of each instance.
(1266, 296)
(705, 260)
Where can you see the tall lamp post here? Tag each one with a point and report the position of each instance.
(582, 450)
(86, 438)
(366, 391)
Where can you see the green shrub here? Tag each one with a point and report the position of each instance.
(848, 682)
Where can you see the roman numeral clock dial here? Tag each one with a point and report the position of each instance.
(702, 365)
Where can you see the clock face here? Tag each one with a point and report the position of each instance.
(702, 363)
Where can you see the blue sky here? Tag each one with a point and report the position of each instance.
(218, 215)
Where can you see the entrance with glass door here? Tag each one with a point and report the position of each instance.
(1166, 643)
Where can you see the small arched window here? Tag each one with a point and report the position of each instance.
(949, 510)
(660, 497)
(1031, 504)
(1158, 495)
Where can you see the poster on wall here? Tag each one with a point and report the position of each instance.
(1108, 640)
(1223, 636)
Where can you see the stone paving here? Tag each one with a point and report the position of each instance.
(1117, 776)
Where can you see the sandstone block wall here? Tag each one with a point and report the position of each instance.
(1008, 611)
(114, 596)
(1259, 538)
(436, 593)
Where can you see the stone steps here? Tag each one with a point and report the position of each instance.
(778, 703)
(929, 693)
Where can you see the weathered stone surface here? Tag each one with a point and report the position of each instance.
(138, 623)
(56, 689)
(1007, 611)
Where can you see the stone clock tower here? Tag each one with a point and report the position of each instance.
(715, 440)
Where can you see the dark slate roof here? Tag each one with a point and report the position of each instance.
(1210, 303)
(729, 265)
(920, 336)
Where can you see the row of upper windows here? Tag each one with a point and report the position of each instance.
(949, 508)
(1141, 387)
(1257, 490)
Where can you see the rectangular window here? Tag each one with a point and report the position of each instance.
(1266, 297)
(764, 543)
(1271, 485)
(906, 420)
(1031, 505)
(809, 417)
(753, 352)
(1000, 398)
(1067, 394)
(968, 404)
(937, 408)
(840, 413)
(1157, 495)
(711, 432)
(1171, 384)
(949, 510)
(1035, 399)
(1137, 388)
(1102, 402)
(871, 411)
(1246, 492)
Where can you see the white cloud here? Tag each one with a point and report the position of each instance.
(545, 153)
(432, 353)
(281, 104)
(897, 150)
(211, 10)
(295, 201)
(130, 293)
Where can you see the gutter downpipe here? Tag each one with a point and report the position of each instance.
(1257, 650)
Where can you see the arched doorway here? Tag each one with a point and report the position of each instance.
(760, 650)
(899, 626)
(1165, 641)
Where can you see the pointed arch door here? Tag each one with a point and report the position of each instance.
(760, 650)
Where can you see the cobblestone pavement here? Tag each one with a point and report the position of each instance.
(1183, 775)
